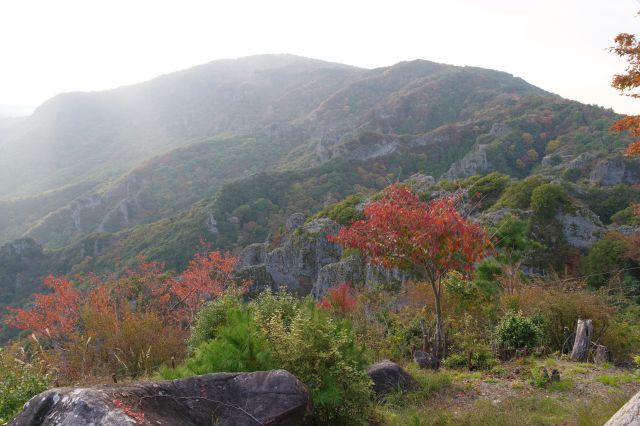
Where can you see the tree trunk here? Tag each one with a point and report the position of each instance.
(437, 337)
(584, 331)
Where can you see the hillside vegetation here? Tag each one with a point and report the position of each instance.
(448, 218)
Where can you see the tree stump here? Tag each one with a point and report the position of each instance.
(581, 344)
(426, 360)
(602, 355)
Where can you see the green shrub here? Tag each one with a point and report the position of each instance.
(518, 194)
(548, 199)
(481, 359)
(211, 317)
(19, 382)
(278, 331)
(486, 190)
(615, 380)
(322, 353)
(239, 345)
(622, 335)
(281, 304)
(345, 212)
(539, 377)
(626, 216)
(604, 259)
(517, 331)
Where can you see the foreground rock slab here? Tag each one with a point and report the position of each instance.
(389, 377)
(628, 415)
(259, 398)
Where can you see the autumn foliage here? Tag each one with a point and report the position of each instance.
(340, 299)
(206, 277)
(425, 239)
(128, 324)
(428, 239)
(54, 314)
(628, 47)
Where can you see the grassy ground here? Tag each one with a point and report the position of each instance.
(513, 393)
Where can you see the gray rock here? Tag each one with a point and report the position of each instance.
(628, 415)
(294, 221)
(421, 183)
(348, 270)
(613, 171)
(582, 228)
(500, 130)
(581, 160)
(388, 377)
(474, 162)
(297, 262)
(259, 398)
(625, 229)
(306, 262)
(251, 255)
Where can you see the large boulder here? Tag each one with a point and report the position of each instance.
(260, 398)
(388, 377)
(628, 415)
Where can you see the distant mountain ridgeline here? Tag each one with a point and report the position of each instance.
(288, 113)
(77, 136)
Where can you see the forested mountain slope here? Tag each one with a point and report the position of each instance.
(227, 151)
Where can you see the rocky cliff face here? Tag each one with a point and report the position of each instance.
(475, 162)
(308, 263)
(582, 228)
(613, 171)
(295, 264)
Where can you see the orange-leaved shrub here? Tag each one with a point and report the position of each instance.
(127, 325)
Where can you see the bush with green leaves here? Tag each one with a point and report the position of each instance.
(518, 194)
(548, 199)
(239, 345)
(517, 331)
(19, 382)
(281, 304)
(322, 352)
(279, 331)
(211, 317)
(604, 260)
(481, 359)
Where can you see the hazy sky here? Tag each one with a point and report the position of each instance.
(48, 47)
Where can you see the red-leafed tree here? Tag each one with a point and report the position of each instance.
(340, 299)
(628, 47)
(206, 277)
(55, 314)
(427, 240)
(128, 323)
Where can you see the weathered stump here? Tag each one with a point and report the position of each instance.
(426, 360)
(602, 355)
(581, 344)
